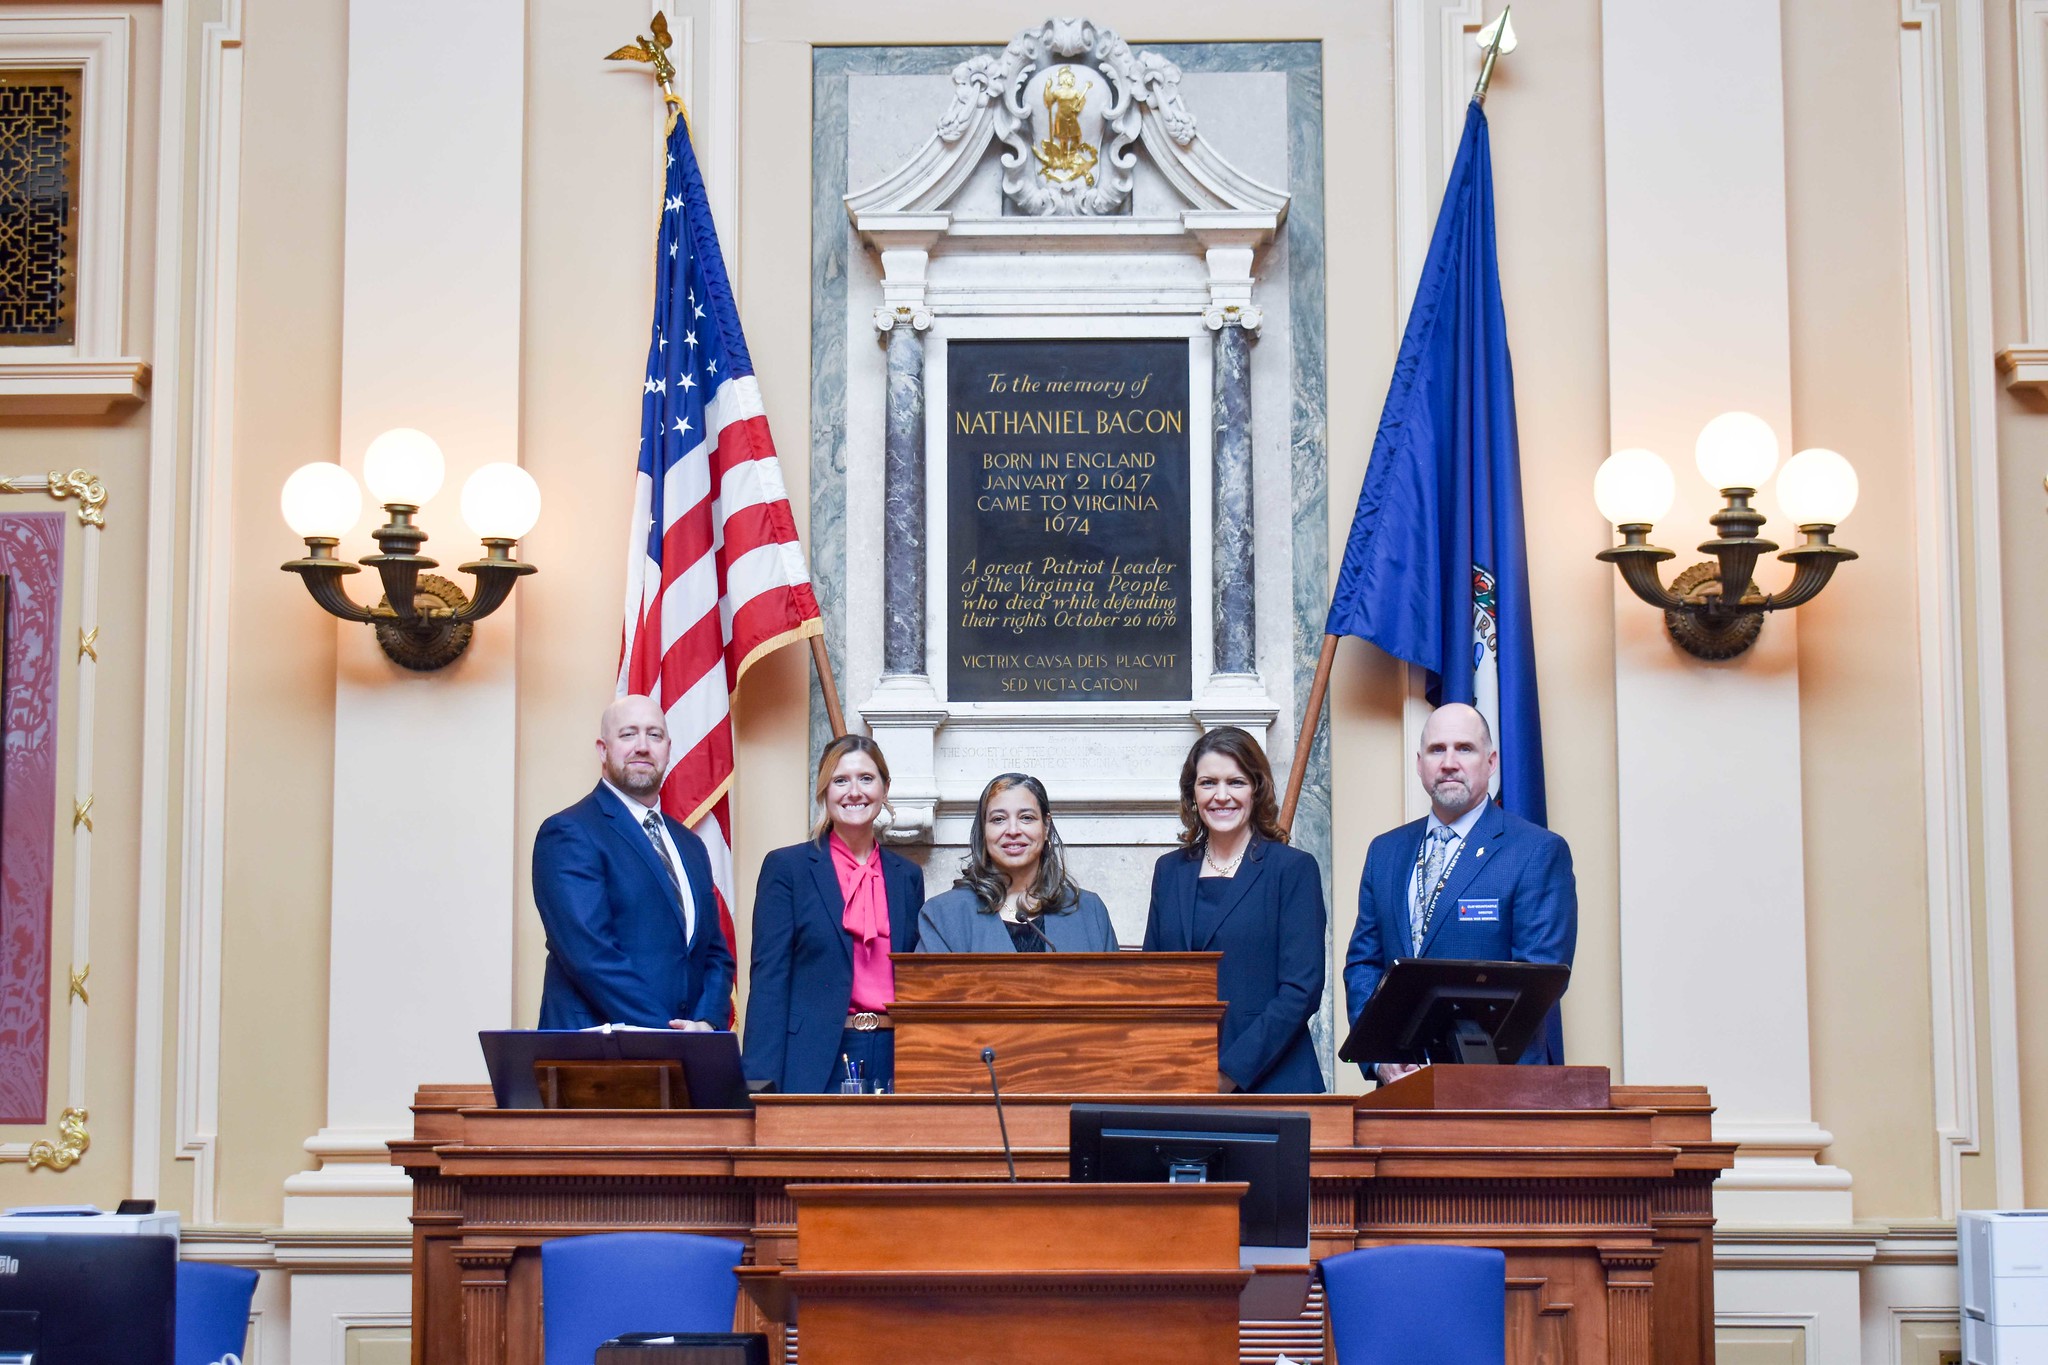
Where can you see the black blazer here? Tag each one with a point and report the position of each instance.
(1271, 977)
(800, 983)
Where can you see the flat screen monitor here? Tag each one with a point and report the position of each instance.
(1266, 1149)
(1444, 1010)
(87, 1299)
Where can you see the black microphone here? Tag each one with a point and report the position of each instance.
(988, 1059)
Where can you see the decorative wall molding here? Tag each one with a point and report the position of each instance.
(1436, 64)
(2025, 363)
(210, 500)
(90, 376)
(158, 690)
(63, 1150)
(1956, 496)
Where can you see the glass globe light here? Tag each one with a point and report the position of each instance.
(321, 500)
(1633, 487)
(501, 502)
(404, 466)
(1817, 487)
(1737, 450)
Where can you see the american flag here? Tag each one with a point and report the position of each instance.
(715, 577)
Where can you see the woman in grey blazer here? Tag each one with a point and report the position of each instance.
(1014, 895)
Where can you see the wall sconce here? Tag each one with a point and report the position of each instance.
(1713, 610)
(423, 621)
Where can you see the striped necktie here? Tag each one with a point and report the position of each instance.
(652, 824)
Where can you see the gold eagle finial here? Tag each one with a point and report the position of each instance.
(653, 50)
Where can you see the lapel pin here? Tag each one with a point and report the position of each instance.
(1480, 854)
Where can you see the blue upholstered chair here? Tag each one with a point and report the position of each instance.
(598, 1287)
(213, 1312)
(1417, 1305)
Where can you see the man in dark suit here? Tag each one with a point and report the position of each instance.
(1469, 880)
(625, 895)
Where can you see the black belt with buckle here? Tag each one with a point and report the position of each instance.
(867, 1021)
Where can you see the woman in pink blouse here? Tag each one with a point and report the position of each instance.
(827, 914)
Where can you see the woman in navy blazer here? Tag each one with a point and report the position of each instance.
(802, 1024)
(1235, 887)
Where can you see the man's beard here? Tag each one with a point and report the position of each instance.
(1452, 794)
(643, 783)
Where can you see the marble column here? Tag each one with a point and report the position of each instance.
(1236, 614)
(903, 501)
(904, 713)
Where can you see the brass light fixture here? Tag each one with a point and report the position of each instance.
(1714, 610)
(423, 620)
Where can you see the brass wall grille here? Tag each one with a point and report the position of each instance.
(39, 207)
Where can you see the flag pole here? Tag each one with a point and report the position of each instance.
(1503, 40)
(833, 715)
(1305, 740)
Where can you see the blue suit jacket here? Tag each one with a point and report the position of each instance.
(616, 953)
(800, 982)
(1524, 867)
(1271, 976)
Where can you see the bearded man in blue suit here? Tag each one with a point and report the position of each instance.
(1467, 881)
(626, 897)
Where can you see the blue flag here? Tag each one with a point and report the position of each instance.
(1436, 570)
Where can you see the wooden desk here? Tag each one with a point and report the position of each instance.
(986, 1273)
(1606, 1214)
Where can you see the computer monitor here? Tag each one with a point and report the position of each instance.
(1266, 1149)
(87, 1299)
(1446, 1010)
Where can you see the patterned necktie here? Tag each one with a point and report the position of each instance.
(1429, 875)
(652, 824)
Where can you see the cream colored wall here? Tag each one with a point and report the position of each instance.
(2023, 533)
(1866, 911)
(589, 192)
(281, 661)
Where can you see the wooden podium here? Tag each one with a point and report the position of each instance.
(1128, 1023)
(1011, 1274)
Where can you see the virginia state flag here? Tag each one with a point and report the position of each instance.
(1436, 571)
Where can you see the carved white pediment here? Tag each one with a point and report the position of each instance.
(1070, 103)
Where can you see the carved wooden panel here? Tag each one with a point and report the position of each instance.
(619, 1202)
(1045, 1052)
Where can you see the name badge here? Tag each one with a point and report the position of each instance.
(1479, 912)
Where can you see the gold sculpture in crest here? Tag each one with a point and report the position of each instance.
(1063, 154)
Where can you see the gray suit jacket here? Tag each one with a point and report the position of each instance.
(954, 922)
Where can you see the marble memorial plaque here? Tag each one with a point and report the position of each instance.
(1068, 520)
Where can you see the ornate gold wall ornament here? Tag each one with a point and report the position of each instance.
(71, 1143)
(86, 640)
(78, 977)
(1063, 154)
(90, 492)
(81, 814)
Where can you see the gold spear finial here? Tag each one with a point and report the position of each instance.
(653, 49)
(1497, 37)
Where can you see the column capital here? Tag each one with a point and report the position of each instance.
(1248, 316)
(916, 316)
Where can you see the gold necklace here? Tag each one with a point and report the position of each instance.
(1209, 858)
